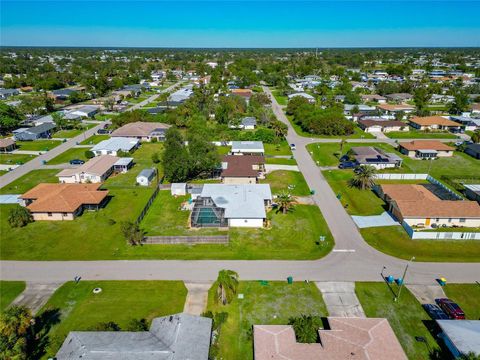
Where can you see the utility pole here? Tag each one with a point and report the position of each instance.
(403, 279)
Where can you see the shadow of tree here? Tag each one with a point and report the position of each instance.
(40, 329)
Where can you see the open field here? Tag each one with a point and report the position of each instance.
(72, 132)
(290, 181)
(271, 304)
(281, 99)
(393, 240)
(75, 307)
(94, 139)
(9, 290)
(420, 135)
(14, 159)
(280, 161)
(406, 317)
(29, 180)
(357, 134)
(38, 145)
(277, 149)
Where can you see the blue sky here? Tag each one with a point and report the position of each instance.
(337, 23)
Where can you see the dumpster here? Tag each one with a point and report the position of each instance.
(290, 280)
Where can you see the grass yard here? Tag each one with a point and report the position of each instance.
(272, 304)
(29, 180)
(77, 308)
(393, 240)
(94, 139)
(357, 133)
(38, 145)
(9, 290)
(420, 135)
(65, 157)
(280, 161)
(291, 181)
(467, 296)
(281, 99)
(277, 149)
(13, 159)
(406, 317)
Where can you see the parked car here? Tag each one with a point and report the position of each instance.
(435, 312)
(292, 146)
(103, 131)
(76, 162)
(345, 158)
(347, 165)
(453, 310)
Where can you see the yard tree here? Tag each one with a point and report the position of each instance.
(460, 104)
(19, 217)
(10, 118)
(306, 328)
(476, 137)
(364, 178)
(15, 331)
(175, 159)
(59, 120)
(227, 285)
(295, 103)
(285, 201)
(132, 232)
(203, 156)
(421, 97)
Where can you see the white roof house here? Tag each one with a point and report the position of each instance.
(181, 95)
(309, 97)
(85, 111)
(461, 337)
(247, 147)
(113, 145)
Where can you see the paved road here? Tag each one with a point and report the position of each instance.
(154, 97)
(351, 260)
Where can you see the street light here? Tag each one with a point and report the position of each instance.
(403, 278)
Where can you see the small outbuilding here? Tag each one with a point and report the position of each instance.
(146, 176)
(179, 189)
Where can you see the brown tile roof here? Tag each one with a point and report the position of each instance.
(63, 197)
(425, 145)
(241, 165)
(138, 128)
(395, 107)
(97, 166)
(348, 338)
(418, 201)
(242, 92)
(433, 120)
(382, 123)
(6, 142)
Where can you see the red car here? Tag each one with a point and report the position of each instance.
(453, 310)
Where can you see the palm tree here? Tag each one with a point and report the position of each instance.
(364, 177)
(285, 201)
(15, 324)
(227, 284)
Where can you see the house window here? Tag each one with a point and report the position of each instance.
(462, 220)
(437, 220)
(65, 214)
(49, 214)
(450, 220)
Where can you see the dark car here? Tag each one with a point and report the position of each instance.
(344, 158)
(347, 165)
(76, 162)
(453, 310)
(435, 312)
(103, 131)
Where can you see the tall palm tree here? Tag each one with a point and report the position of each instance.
(227, 284)
(364, 177)
(285, 201)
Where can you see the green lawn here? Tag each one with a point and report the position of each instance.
(272, 304)
(393, 240)
(38, 145)
(291, 181)
(13, 159)
(467, 296)
(406, 317)
(420, 135)
(70, 133)
(65, 157)
(277, 149)
(9, 290)
(120, 301)
(281, 99)
(357, 134)
(29, 180)
(280, 161)
(94, 139)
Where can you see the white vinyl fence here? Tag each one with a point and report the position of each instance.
(401, 176)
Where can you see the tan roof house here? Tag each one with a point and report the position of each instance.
(246, 169)
(7, 145)
(385, 126)
(63, 201)
(418, 206)
(143, 131)
(425, 149)
(434, 123)
(347, 338)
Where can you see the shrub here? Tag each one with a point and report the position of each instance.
(89, 154)
(19, 217)
(306, 328)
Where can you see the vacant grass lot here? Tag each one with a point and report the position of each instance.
(38, 145)
(94, 139)
(277, 149)
(77, 308)
(291, 236)
(29, 180)
(65, 157)
(281, 99)
(13, 159)
(280, 161)
(467, 296)
(9, 290)
(393, 240)
(290, 181)
(406, 317)
(272, 304)
(420, 135)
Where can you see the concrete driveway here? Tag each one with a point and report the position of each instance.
(384, 219)
(426, 294)
(36, 295)
(340, 299)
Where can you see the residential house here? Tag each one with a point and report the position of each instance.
(114, 145)
(385, 126)
(344, 338)
(244, 93)
(62, 94)
(7, 145)
(391, 110)
(6, 93)
(418, 206)
(473, 150)
(42, 131)
(221, 205)
(468, 123)
(136, 89)
(425, 149)
(143, 131)
(180, 96)
(376, 157)
(123, 164)
(399, 97)
(442, 99)
(86, 111)
(146, 176)
(434, 123)
(172, 337)
(308, 97)
(472, 192)
(374, 98)
(245, 169)
(247, 148)
(246, 123)
(95, 170)
(63, 201)
(461, 338)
